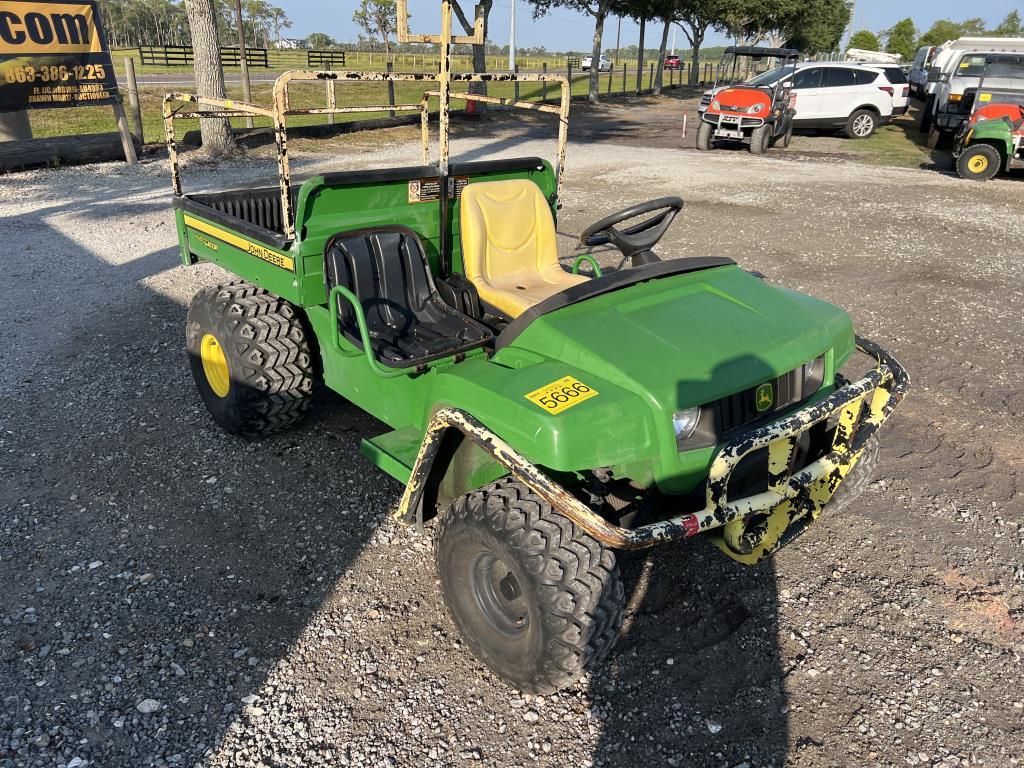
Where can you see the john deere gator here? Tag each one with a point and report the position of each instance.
(540, 418)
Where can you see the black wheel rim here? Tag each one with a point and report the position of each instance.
(499, 595)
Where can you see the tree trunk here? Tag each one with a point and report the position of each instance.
(696, 40)
(202, 21)
(595, 61)
(661, 59)
(479, 51)
(640, 58)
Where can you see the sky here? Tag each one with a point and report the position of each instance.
(567, 30)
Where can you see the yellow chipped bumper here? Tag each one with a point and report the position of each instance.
(791, 501)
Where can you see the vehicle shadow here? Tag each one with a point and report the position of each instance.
(697, 676)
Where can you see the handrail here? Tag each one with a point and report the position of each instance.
(364, 333)
(588, 258)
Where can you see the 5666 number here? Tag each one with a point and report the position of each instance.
(564, 394)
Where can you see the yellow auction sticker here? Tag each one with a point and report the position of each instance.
(561, 394)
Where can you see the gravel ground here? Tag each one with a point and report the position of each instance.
(173, 596)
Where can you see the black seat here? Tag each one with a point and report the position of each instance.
(408, 322)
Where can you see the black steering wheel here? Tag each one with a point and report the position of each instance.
(637, 241)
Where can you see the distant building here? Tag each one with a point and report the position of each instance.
(288, 44)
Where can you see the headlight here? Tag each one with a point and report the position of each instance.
(715, 104)
(753, 110)
(685, 423)
(813, 375)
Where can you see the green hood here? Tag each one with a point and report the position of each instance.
(648, 350)
(690, 339)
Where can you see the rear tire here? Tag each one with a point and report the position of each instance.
(979, 162)
(250, 358)
(537, 600)
(759, 139)
(704, 141)
(861, 124)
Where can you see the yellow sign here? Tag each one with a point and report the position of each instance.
(253, 249)
(985, 97)
(561, 394)
(51, 28)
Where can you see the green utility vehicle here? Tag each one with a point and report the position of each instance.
(991, 140)
(543, 417)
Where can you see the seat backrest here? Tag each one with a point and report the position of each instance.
(387, 271)
(507, 229)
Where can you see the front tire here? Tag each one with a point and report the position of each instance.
(979, 162)
(861, 124)
(537, 600)
(759, 139)
(704, 141)
(250, 359)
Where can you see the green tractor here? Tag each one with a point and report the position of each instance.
(991, 140)
(542, 418)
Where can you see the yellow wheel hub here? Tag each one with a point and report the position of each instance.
(215, 365)
(977, 164)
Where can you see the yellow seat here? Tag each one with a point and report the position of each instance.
(509, 250)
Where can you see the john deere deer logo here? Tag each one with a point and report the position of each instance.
(764, 397)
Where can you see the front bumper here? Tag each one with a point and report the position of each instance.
(792, 500)
(731, 126)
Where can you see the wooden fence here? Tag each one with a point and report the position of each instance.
(182, 56)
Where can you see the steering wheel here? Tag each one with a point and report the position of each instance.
(637, 241)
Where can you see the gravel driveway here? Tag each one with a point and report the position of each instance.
(173, 596)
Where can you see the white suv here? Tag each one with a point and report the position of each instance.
(604, 64)
(855, 97)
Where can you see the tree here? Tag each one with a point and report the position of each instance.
(695, 18)
(818, 26)
(320, 41)
(864, 40)
(479, 51)
(941, 31)
(209, 74)
(599, 9)
(1011, 26)
(901, 38)
(972, 27)
(752, 22)
(378, 18)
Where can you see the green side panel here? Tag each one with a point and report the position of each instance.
(398, 402)
(394, 452)
(323, 210)
(216, 248)
(995, 132)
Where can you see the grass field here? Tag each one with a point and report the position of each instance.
(373, 61)
(899, 144)
(81, 120)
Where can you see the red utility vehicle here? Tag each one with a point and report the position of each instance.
(758, 115)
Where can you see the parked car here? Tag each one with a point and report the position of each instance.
(900, 90)
(854, 97)
(604, 64)
(673, 62)
(918, 77)
(953, 76)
